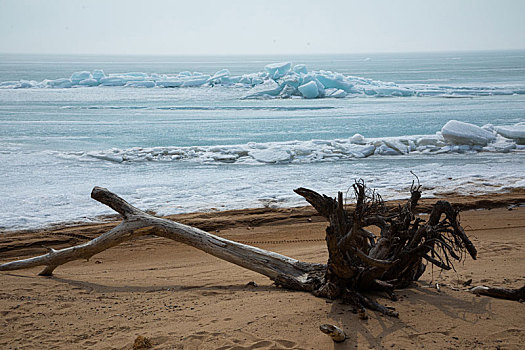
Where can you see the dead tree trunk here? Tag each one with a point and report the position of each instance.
(358, 262)
(289, 272)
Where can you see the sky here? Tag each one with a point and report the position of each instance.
(231, 27)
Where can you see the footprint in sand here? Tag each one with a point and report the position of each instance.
(285, 343)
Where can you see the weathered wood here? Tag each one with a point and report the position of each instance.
(287, 271)
(517, 294)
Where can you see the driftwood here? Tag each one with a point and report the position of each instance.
(501, 293)
(359, 262)
(296, 274)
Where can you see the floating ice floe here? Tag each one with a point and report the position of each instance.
(277, 80)
(455, 137)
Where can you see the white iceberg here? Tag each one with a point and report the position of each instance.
(271, 155)
(515, 132)
(357, 139)
(460, 133)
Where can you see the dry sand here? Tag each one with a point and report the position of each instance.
(181, 298)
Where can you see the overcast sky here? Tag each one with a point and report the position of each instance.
(259, 27)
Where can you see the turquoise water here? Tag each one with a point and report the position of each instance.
(163, 149)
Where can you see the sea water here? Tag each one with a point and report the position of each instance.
(174, 150)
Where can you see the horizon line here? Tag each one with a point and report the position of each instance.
(260, 54)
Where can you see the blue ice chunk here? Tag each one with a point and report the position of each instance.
(331, 80)
(293, 80)
(196, 81)
(112, 81)
(267, 88)
(17, 84)
(288, 91)
(309, 90)
(338, 94)
(235, 79)
(185, 73)
(78, 76)
(98, 74)
(88, 82)
(135, 75)
(257, 81)
(24, 84)
(300, 68)
(278, 70)
(223, 81)
(131, 76)
(320, 87)
(245, 80)
(221, 77)
(10, 84)
(384, 150)
(143, 83)
(59, 83)
(221, 73)
(169, 83)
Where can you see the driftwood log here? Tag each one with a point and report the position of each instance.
(359, 262)
(517, 294)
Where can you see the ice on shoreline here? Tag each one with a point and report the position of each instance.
(277, 80)
(455, 137)
(456, 132)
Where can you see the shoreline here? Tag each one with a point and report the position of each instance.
(60, 235)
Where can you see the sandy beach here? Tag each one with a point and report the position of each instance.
(181, 298)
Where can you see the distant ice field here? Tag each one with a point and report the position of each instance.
(207, 147)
